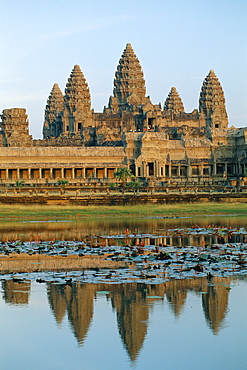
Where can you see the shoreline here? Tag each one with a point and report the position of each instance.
(113, 200)
(24, 211)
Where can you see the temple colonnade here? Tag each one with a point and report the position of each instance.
(147, 170)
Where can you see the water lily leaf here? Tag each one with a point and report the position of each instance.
(154, 296)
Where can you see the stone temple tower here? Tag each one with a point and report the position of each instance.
(77, 113)
(212, 103)
(129, 84)
(173, 103)
(54, 108)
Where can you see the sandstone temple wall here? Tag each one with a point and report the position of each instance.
(160, 143)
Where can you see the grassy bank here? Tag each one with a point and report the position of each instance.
(39, 212)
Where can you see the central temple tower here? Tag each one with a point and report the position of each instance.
(129, 84)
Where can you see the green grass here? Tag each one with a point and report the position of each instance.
(39, 212)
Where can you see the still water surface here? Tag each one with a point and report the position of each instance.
(179, 325)
(86, 228)
(195, 323)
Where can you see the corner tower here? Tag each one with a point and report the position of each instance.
(53, 109)
(77, 100)
(212, 103)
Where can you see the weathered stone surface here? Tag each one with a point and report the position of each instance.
(173, 103)
(14, 128)
(53, 109)
(212, 102)
(160, 146)
(77, 95)
(129, 84)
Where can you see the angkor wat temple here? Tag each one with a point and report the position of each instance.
(160, 144)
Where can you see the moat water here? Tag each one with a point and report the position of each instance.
(181, 323)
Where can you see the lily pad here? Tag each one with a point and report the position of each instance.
(154, 297)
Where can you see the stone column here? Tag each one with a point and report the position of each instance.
(239, 167)
(7, 173)
(105, 172)
(18, 173)
(40, 173)
(136, 170)
(73, 172)
(83, 173)
(29, 173)
(215, 168)
(51, 173)
(234, 168)
(170, 170)
(189, 170)
(94, 173)
(62, 172)
(186, 171)
(157, 169)
(144, 169)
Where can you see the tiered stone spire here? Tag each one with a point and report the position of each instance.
(77, 114)
(129, 83)
(77, 92)
(54, 106)
(173, 103)
(211, 93)
(212, 100)
(55, 103)
(129, 76)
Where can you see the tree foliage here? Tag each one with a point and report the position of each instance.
(62, 182)
(134, 184)
(19, 183)
(123, 174)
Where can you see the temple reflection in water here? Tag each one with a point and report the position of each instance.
(132, 303)
(15, 292)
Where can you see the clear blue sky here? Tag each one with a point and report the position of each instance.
(176, 41)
